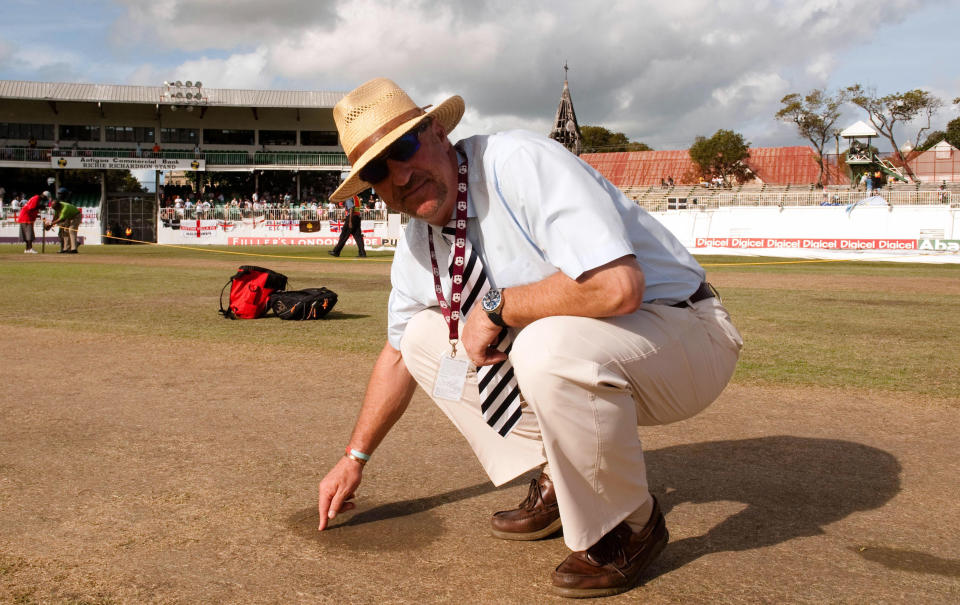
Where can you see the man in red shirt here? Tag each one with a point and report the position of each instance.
(28, 216)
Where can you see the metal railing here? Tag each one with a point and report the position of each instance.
(331, 159)
(232, 213)
(24, 154)
(300, 158)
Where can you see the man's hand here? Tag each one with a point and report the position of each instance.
(336, 490)
(480, 337)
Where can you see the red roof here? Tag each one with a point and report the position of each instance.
(789, 165)
(772, 165)
(633, 168)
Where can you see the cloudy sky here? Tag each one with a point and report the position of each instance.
(662, 72)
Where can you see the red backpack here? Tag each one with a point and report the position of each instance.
(250, 291)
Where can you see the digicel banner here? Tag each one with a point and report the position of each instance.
(806, 244)
(297, 241)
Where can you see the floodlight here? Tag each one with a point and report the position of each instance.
(178, 83)
(188, 84)
(173, 108)
(165, 83)
(179, 95)
(189, 95)
(197, 84)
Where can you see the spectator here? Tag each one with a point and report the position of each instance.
(15, 205)
(156, 150)
(28, 216)
(351, 226)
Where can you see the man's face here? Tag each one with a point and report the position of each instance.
(425, 186)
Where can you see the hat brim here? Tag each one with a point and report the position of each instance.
(447, 113)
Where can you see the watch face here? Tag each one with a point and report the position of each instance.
(491, 300)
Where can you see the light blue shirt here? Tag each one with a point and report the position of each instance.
(535, 208)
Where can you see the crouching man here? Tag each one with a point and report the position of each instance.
(547, 316)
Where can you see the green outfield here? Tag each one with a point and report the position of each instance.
(855, 324)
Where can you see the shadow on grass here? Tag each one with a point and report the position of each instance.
(336, 315)
(792, 487)
(909, 560)
(412, 523)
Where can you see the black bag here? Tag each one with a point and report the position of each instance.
(311, 303)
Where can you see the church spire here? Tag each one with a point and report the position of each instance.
(566, 130)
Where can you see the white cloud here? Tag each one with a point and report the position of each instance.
(660, 72)
(6, 50)
(245, 70)
(820, 66)
(752, 89)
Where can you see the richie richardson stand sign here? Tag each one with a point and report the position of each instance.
(122, 163)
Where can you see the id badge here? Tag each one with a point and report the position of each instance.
(450, 378)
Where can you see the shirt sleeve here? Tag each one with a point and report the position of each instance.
(402, 304)
(564, 206)
(400, 310)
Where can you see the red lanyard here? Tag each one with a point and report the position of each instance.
(451, 312)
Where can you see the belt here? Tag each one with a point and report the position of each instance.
(704, 292)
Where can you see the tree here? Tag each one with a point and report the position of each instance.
(598, 139)
(884, 113)
(953, 132)
(932, 139)
(721, 155)
(951, 135)
(814, 116)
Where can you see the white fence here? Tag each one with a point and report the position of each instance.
(719, 199)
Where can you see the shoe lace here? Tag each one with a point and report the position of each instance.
(609, 548)
(533, 496)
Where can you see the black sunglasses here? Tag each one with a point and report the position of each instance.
(400, 150)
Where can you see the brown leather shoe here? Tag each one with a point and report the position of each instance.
(537, 516)
(614, 564)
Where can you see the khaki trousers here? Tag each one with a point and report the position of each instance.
(587, 384)
(68, 232)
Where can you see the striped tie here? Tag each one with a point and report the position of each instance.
(499, 391)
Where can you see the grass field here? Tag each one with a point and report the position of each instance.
(870, 325)
(153, 452)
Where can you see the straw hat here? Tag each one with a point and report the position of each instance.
(373, 116)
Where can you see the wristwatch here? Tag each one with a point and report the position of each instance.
(492, 304)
